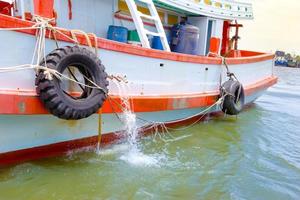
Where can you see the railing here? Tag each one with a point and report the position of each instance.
(226, 9)
(21, 9)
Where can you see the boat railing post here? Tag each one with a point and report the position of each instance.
(22, 9)
(44, 8)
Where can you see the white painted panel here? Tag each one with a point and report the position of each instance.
(19, 132)
(88, 15)
(146, 76)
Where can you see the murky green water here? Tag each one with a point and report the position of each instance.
(256, 156)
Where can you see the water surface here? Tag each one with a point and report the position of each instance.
(255, 156)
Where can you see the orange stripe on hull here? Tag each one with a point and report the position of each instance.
(27, 103)
(61, 148)
(31, 105)
(263, 84)
(12, 22)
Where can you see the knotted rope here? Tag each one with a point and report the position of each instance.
(39, 55)
(230, 75)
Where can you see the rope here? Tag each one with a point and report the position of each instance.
(44, 23)
(39, 55)
(231, 76)
(162, 124)
(88, 40)
(201, 114)
(224, 62)
(18, 29)
(99, 127)
(53, 72)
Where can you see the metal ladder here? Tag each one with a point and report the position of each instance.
(137, 18)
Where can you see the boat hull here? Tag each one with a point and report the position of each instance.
(29, 137)
(165, 88)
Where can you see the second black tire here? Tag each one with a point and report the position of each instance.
(56, 100)
(234, 97)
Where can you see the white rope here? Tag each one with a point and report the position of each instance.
(200, 114)
(39, 53)
(156, 124)
(47, 71)
(18, 29)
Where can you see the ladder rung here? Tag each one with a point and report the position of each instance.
(153, 33)
(147, 17)
(153, 16)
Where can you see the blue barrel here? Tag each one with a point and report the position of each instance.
(156, 43)
(185, 39)
(117, 33)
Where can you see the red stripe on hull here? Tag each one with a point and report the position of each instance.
(62, 148)
(27, 103)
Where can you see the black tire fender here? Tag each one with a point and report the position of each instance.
(233, 97)
(55, 98)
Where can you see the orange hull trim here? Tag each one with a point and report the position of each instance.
(12, 22)
(61, 148)
(27, 103)
(58, 149)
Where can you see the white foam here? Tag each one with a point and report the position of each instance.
(137, 158)
(115, 149)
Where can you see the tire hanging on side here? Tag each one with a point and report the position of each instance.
(233, 97)
(60, 102)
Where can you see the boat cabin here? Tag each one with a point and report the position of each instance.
(195, 27)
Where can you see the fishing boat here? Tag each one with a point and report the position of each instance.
(67, 69)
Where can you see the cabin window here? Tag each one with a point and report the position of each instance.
(172, 19)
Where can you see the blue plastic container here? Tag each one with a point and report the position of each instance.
(156, 43)
(185, 39)
(117, 33)
(281, 63)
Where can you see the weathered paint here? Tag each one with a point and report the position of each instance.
(25, 145)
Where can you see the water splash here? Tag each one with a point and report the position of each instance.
(134, 154)
(128, 117)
